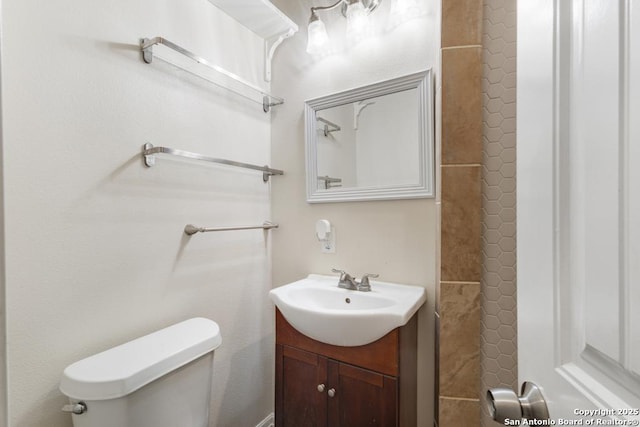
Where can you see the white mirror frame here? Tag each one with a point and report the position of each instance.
(425, 187)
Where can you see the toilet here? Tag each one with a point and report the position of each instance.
(159, 380)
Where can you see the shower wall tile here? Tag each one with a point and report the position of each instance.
(459, 345)
(498, 356)
(462, 106)
(459, 412)
(461, 213)
(462, 22)
(458, 305)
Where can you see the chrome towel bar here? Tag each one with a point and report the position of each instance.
(148, 151)
(192, 229)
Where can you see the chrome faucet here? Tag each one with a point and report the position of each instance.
(346, 281)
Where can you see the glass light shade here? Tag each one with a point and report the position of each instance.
(317, 37)
(358, 25)
(402, 11)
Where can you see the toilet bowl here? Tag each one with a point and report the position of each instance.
(159, 380)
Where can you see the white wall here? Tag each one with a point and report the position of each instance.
(3, 329)
(95, 253)
(396, 239)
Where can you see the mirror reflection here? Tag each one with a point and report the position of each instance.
(371, 143)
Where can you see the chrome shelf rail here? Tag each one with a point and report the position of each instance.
(330, 182)
(267, 100)
(149, 151)
(190, 229)
(328, 126)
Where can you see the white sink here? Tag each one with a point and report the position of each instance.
(318, 308)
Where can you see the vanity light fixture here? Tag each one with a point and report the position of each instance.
(358, 26)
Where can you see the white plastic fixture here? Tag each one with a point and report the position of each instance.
(318, 308)
(326, 236)
(323, 229)
(264, 19)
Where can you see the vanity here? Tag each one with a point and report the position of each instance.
(346, 348)
(341, 372)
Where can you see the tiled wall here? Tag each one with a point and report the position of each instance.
(477, 291)
(498, 359)
(458, 307)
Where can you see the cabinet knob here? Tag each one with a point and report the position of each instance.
(320, 388)
(331, 392)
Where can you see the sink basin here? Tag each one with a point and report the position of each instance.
(318, 308)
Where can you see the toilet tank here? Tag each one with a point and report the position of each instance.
(159, 380)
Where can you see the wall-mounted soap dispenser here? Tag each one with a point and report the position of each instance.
(326, 235)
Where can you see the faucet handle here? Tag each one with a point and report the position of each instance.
(343, 274)
(364, 284)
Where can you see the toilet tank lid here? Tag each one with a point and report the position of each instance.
(122, 370)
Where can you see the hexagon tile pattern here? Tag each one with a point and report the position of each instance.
(498, 358)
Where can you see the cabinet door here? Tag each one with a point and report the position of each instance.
(361, 397)
(299, 403)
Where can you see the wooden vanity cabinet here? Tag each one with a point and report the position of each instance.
(321, 385)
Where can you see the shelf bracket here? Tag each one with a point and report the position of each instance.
(147, 51)
(270, 46)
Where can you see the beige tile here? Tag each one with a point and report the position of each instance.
(459, 354)
(460, 235)
(461, 22)
(459, 413)
(462, 106)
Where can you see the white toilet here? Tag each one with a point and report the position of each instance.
(159, 380)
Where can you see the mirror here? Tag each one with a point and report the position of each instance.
(371, 143)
